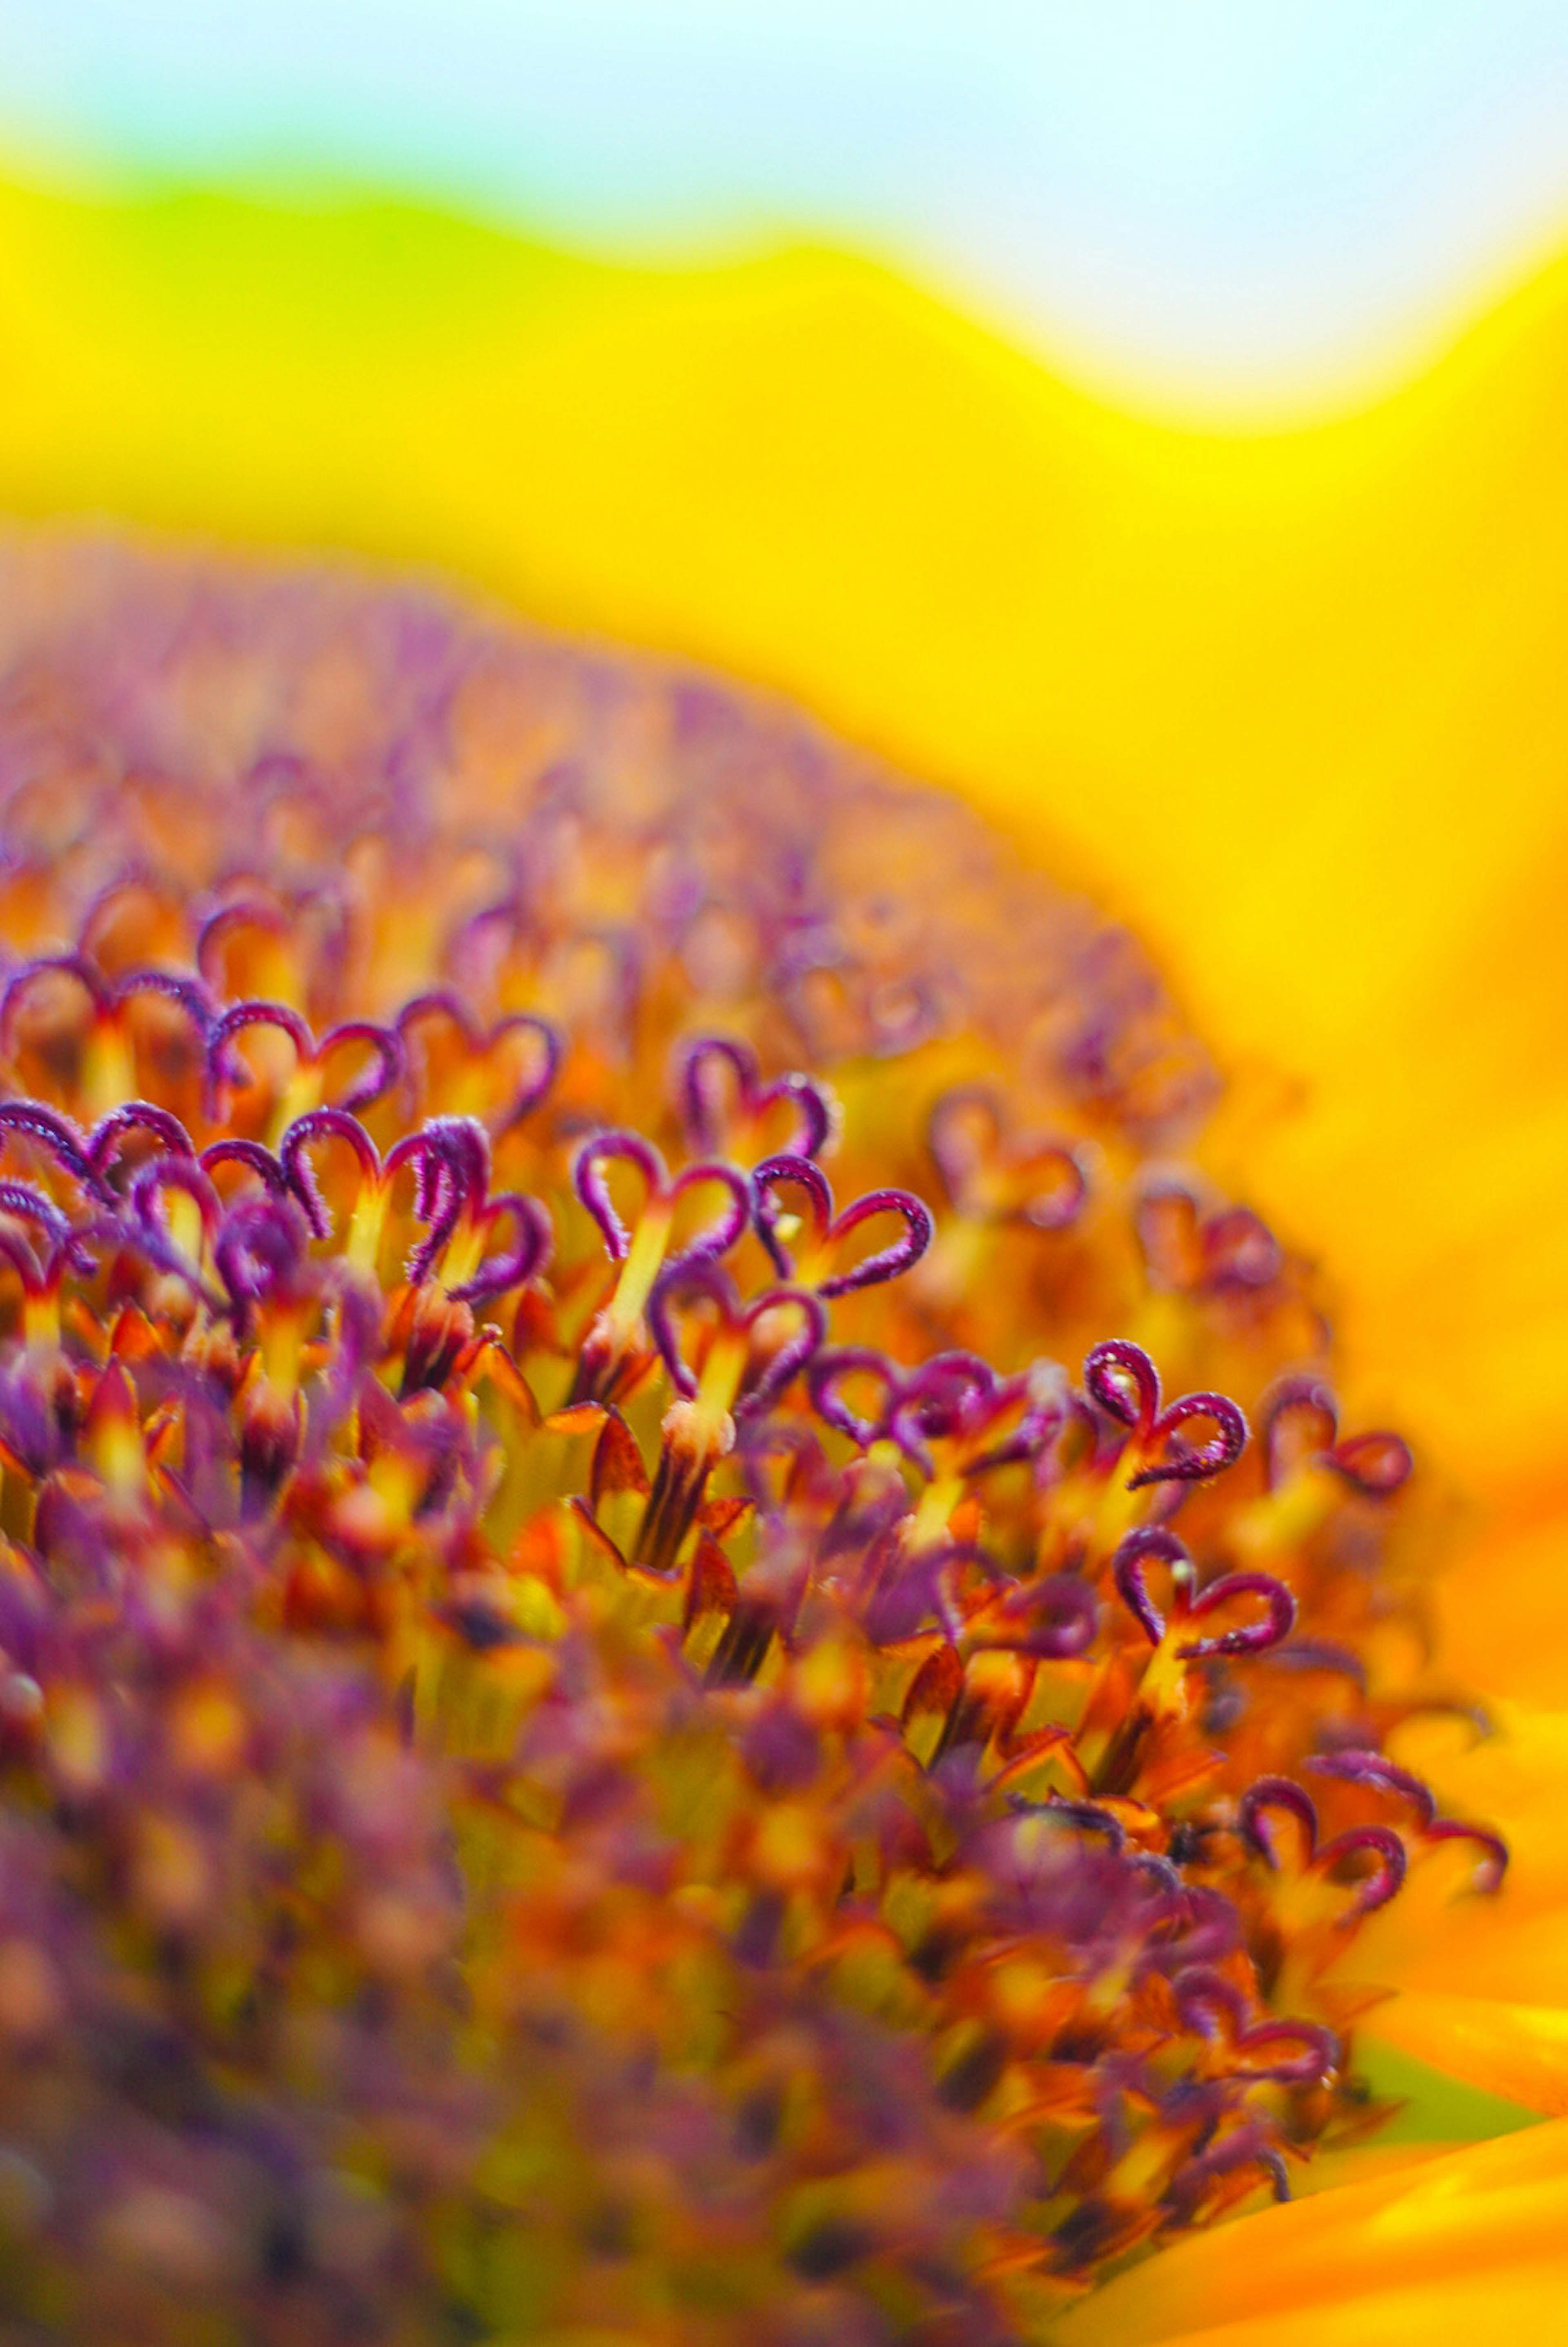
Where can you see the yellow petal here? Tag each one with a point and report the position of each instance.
(1460, 2249)
(1518, 2051)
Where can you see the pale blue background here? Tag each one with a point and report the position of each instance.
(1237, 202)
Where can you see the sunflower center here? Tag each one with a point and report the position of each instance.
(679, 1645)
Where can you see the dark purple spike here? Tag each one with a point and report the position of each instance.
(781, 1171)
(529, 1254)
(1385, 1775)
(60, 1136)
(1186, 1465)
(1128, 1565)
(1376, 1889)
(833, 1369)
(593, 1190)
(714, 1238)
(1120, 1378)
(1267, 1793)
(386, 1066)
(888, 1262)
(1276, 1621)
(293, 1156)
(136, 1116)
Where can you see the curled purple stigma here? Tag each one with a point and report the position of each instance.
(717, 1237)
(26, 1204)
(451, 1160)
(1298, 1416)
(59, 1137)
(1122, 1379)
(221, 1072)
(788, 1167)
(1365, 1768)
(1376, 1462)
(1493, 1860)
(136, 1116)
(386, 1063)
(528, 1257)
(1376, 1888)
(1185, 1463)
(1375, 1771)
(1276, 1621)
(588, 1172)
(257, 1250)
(244, 913)
(691, 1276)
(964, 1135)
(174, 1173)
(187, 994)
(441, 1002)
(253, 1155)
(1149, 1541)
(319, 1124)
(1152, 1541)
(833, 1369)
(1213, 2005)
(1283, 1795)
(1057, 1618)
(86, 973)
(813, 1104)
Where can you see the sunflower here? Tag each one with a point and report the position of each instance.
(362, 1298)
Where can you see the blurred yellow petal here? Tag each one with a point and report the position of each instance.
(1518, 2051)
(1461, 2248)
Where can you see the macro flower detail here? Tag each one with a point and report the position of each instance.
(596, 1743)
